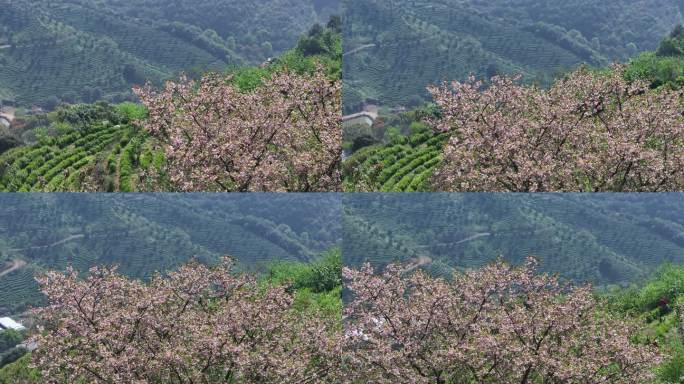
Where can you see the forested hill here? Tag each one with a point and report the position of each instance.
(396, 48)
(600, 238)
(145, 233)
(88, 50)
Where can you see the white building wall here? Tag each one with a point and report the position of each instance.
(7, 323)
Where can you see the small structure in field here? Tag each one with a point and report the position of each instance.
(8, 323)
(362, 118)
(366, 117)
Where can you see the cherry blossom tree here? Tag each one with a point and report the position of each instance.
(285, 135)
(496, 324)
(210, 325)
(195, 325)
(589, 132)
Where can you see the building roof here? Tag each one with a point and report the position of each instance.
(7, 323)
(358, 115)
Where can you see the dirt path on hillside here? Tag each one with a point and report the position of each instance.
(67, 239)
(357, 49)
(473, 237)
(16, 264)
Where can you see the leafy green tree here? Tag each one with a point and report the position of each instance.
(363, 141)
(669, 47)
(335, 23)
(9, 339)
(11, 355)
(132, 75)
(51, 103)
(20, 372)
(9, 141)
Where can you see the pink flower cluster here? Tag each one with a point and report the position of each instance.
(198, 325)
(497, 324)
(589, 132)
(285, 135)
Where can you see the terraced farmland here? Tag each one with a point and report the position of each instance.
(86, 50)
(604, 239)
(19, 289)
(405, 165)
(102, 157)
(445, 42)
(411, 44)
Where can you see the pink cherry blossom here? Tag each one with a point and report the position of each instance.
(196, 325)
(285, 135)
(589, 132)
(497, 324)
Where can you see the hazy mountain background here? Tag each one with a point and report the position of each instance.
(600, 238)
(144, 233)
(395, 48)
(87, 50)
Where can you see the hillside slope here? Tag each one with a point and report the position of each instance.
(396, 48)
(601, 238)
(86, 50)
(154, 232)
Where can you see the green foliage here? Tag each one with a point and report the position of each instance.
(664, 67)
(673, 45)
(9, 338)
(84, 115)
(12, 355)
(249, 78)
(672, 370)
(659, 304)
(362, 142)
(299, 59)
(80, 148)
(321, 41)
(327, 303)
(132, 111)
(666, 283)
(9, 350)
(319, 276)
(317, 285)
(405, 164)
(8, 141)
(20, 372)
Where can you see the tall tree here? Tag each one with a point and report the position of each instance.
(497, 324)
(589, 132)
(196, 325)
(285, 135)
